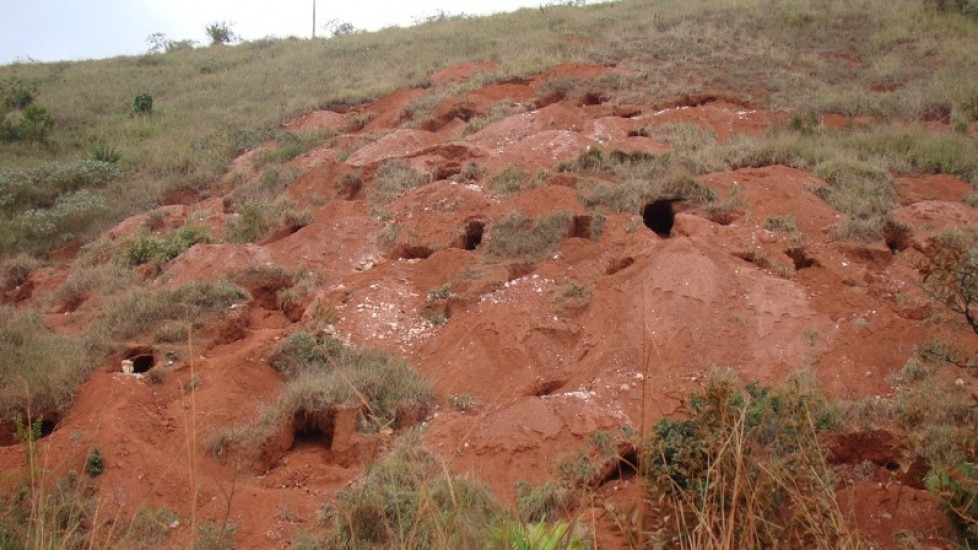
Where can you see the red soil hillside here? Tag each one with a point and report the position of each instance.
(545, 367)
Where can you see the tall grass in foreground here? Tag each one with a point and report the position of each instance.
(745, 470)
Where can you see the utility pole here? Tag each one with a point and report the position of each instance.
(314, 18)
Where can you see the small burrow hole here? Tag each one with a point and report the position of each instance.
(47, 426)
(581, 227)
(473, 234)
(897, 237)
(624, 466)
(617, 264)
(142, 363)
(659, 217)
(408, 252)
(800, 259)
(313, 430)
(541, 388)
(143, 359)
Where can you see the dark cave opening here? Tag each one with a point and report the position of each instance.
(659, 217)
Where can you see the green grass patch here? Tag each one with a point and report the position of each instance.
(515, 236)
(39, 369)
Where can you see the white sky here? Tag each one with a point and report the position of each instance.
(54, 30)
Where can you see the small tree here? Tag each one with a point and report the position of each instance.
(36, 124)
(220, 33)
(142, 104)
(950, 273)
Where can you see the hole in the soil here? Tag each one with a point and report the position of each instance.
(593, 98)
(473, 234)
(581, 227)
(446, 171)
(802, 261)
(617, 264)
(48, 426)
(408, 252)
(659, 217)
(625, 466)
(543, 387)
(349, 186)
(142, 363)
(140, 359)
(313, 429)
(897, 236)
(9, 429)
(892, 466)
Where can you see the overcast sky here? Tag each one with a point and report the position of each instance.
(54, 30)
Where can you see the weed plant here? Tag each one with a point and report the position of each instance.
(745, 469)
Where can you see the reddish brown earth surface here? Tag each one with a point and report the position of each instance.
(545, 374)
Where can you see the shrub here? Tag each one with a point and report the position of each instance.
(544, 502)
(862, 193)
(301, 352)
(104, 153)
(95, 463)
(142, 104)
(257, 218)
(35, 124)
(408, 500)
(142, 311)
(508, 180)
(16, 94)
(38, 367)
(144, 248)
(71, 217)
(393, 179)
(745, 467)
(384, 385)
(220, 32)
(42, 186)
(949, 269)
(515, 236)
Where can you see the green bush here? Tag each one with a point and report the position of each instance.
(104, 153)
(144, 248)
(220, 32)
(949, 269)
(38, 367)
(393, 179)
(16, 94)
(407, 500)
(864, 194)
(301, 352)
(384, 385)
(141, 311)
(72, 216)
(35, 124)
(142, 104)
(95, 463)
(725, 472)
(42, 186)
(257, 218)
(515, 236)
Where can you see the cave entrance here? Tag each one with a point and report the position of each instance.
(143, 359)
(473, 234)
(313, 430)
(659, 217)
(142, 363)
